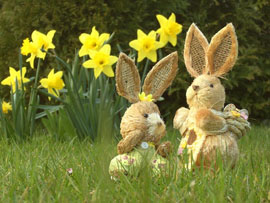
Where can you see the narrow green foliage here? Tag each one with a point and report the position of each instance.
(91, 104)
(18, 18)
(35, 171)
(21, 123)
(59, 125)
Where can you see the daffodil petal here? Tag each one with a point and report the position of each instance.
(159, 31)
(25, 47)
(178, 28)
(12, 71)
(44, 82)
(53, 91)
(107, 70)
(23, 71)
(172, 17)
(94, 32)
(92, 53)
(6, 81)
(83, 51)
(135, 44)
(152, 34)
(59, 74)
(140, 34)
(164, 39)
(31, 60)
(162, 20)
(35, 35)
(152, 55)
(141, 55)
(51, 73)
(50, 34)
(103, 37)
(97, 72)
(112, 60)
(51, 46)
(158, 45)
(89, 64)
(41, 54)
(25, 80)
(173, 40)
(83, 37)
(106, 49)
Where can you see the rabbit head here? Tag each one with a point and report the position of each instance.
(144, 116)
(206, 62)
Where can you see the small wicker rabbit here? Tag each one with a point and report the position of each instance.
(206, 129)
(141, 126)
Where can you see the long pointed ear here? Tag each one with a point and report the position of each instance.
(127, 78)
(161, 76)
(195, 49)
(223, 50)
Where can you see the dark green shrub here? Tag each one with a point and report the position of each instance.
(248, 85)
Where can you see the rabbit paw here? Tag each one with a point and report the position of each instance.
(164, 149)
(208, 121)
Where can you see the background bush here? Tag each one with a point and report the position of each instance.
(248, 85)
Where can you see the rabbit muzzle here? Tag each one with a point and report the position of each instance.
(155, 124)
(195, 87)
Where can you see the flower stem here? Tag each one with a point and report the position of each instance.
(145, 70)
(33, 100)
(37, 74)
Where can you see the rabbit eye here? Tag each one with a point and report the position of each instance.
(211, 85)
(145, 115)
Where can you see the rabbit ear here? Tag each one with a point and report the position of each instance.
(195, 49)
(127, 78)
(161, 76)
(222, 51)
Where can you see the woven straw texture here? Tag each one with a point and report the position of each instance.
(127, 79)
(198, 56)
(195, 49)
(222, 52)
(161, 76)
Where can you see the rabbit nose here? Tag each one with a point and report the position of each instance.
(195, 87)
(159, 123)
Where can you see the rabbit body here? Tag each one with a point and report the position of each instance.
(141, 126)
(141, 123)
(208, 132)
(141, 129)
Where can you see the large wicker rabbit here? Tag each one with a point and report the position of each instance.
(206, 129)
(141, 126)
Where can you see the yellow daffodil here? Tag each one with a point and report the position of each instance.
(146, 45)
(183, 144)
(38, 46)
(169, 29)
(44, 41)
(6, 106)
(235, 113)
(15, 76)
(92, 41)
(53, 83)
(101, 61)
(143, 97)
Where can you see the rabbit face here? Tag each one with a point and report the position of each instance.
(141, 121)
(206, 91)
(206, 62)
(145, 116)
(156, 127)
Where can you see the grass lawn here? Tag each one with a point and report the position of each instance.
(35, 171)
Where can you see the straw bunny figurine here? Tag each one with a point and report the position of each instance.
(207, 130)
(141, 126)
